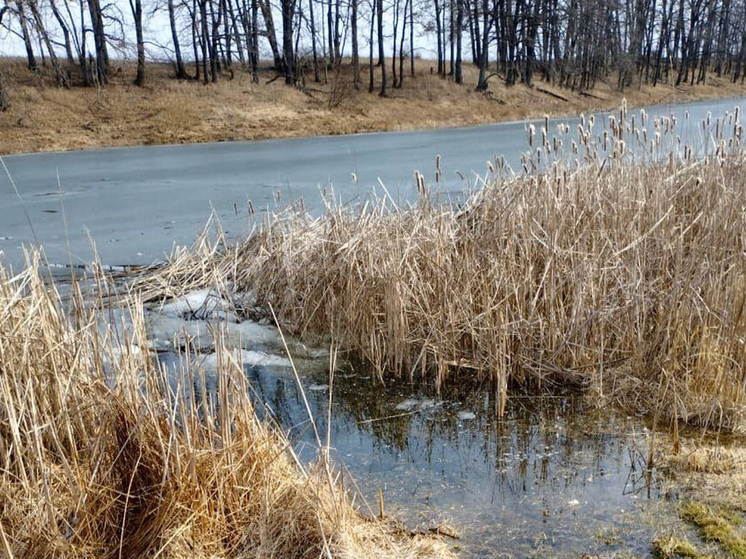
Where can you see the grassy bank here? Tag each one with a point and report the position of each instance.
(102, 455)
(45, 118)
(625, 280)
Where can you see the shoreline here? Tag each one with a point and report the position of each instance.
(530, 119)
(167, 112)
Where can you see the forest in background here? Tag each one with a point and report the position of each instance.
(568, 43)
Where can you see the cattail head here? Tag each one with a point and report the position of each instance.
(420, 183)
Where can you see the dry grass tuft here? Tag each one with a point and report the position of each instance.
(102, 454)
(710, 460)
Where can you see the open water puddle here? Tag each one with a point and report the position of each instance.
(550, 479)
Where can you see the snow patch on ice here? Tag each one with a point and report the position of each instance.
(202, 335)
(201, 304)
(407, 405)
(246, 358)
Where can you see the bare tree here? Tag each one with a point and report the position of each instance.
(381, 53)
(136, 8)
(180, 68)
(288, 54)
(355, 52)
(571, 43)
(371, 78)
(30, 57)
(4, 99)
(101, 69)
(59, 73)
(65, 32)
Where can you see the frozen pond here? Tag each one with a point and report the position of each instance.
(134, 204)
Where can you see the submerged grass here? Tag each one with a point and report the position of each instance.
(627, 280)
(671, 547)
(102, 454)
(716, 527)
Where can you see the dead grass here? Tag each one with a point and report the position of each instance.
(624, 280)
(103, 455)
(45, 118)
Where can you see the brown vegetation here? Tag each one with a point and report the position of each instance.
(624, 280)
(43, 117)
(102, 455)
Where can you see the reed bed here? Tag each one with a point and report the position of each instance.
(103, 454)
(622, 278)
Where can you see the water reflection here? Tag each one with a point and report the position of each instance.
(550, 479)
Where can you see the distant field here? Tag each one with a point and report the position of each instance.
(43, 117)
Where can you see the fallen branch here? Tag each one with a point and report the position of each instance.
(555, 95)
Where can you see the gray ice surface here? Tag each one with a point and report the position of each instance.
(134, 204)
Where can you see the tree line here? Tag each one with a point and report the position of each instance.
(571, 43)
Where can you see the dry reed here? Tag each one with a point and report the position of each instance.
(628, 280)
(103, 454)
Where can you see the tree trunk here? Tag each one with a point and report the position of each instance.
(180, 69)
(271, 35)
(401, 43)
(79, 43)
(99, 39)
(459, 77)
(204, 41)
(196, 42)
(59, 74)
(411, 38)
(530, 41)
(371, 79)
(330, 30)
(484, 51)
(355, 51)
(254, 41)
(452, 42)
(65, 32)
(337, 36)
(288, 9)
(214, 38)
(227, 35)
(313, 43)
(439, 33)
(473, 18)
(393, 43)
(30, 58)
(381, 53)
(136, 7)
(4, 99)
